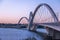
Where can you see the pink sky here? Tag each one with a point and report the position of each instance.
(12, 10)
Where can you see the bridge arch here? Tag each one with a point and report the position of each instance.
(23, 18)
(50, 10)
(20, 21)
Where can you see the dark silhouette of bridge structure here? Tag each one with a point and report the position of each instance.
(19, 22)
(53, 28)
(23, 18)
(49, 8)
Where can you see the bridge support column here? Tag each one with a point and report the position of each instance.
(30, 22)
(33, 28)
(30, 25)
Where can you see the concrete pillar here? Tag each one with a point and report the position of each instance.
(30, 22)
(33, 28)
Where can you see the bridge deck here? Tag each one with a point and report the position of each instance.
(55, 26)
(52, 26)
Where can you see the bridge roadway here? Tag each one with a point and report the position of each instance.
(52, 28)
(55, 26)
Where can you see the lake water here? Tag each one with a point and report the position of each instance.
(20, 34)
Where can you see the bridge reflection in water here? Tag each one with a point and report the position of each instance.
(36, 29)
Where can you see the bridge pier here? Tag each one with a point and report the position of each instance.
(53, 33)
(33, 28)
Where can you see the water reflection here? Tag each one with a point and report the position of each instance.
(19, 34)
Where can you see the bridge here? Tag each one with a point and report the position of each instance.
(22, 25)
(53, 27)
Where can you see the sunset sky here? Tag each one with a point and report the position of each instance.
(12, 10)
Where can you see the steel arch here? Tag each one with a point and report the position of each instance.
(49, 8)
(23, 18)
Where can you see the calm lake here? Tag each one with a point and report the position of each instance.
(20, 34)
